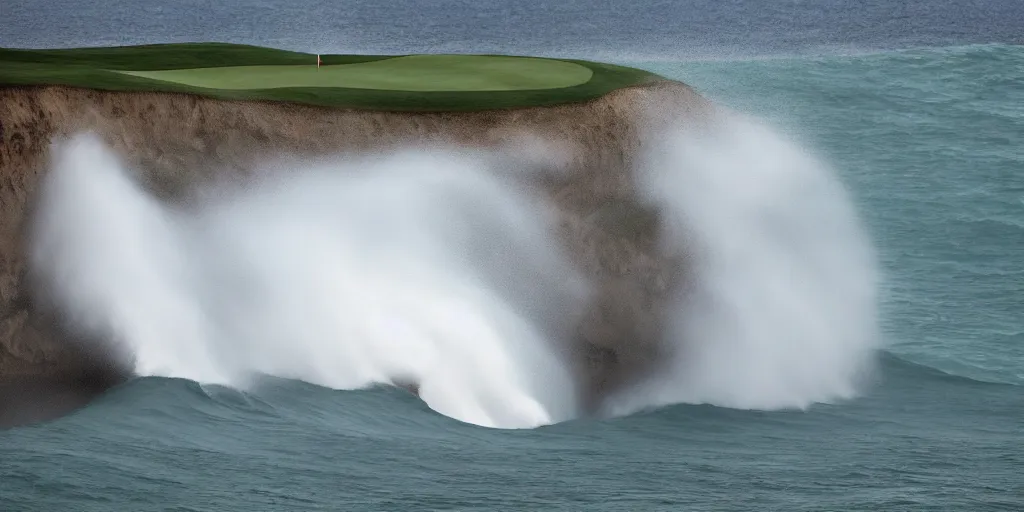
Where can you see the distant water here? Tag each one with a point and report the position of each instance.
(930, 141)
(660, 28)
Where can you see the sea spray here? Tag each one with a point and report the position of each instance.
(779, 309)
(429, 267)
(421, 267)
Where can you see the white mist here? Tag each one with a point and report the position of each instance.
(780, 307)
(420, 267)
(434, 268)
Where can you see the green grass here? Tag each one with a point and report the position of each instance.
(374, 82)
(411, 73)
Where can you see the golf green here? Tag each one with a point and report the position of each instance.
(372, 82)
(411, 73)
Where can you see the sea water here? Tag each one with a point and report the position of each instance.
(911, 119)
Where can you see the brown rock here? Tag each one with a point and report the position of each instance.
(176, 142)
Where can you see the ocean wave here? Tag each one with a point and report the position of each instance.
(405, 269)
(378, 411)
(427, 270)
(780, 307)
(905, 367)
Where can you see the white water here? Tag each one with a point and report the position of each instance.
(781, 308)
(425, 267)
(420, 267)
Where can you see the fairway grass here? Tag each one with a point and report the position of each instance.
(411, 73)
(400, 83)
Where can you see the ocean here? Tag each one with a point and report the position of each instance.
(919, 111)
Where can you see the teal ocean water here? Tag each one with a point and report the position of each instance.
(929, 141)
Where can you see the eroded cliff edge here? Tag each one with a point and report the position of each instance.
(178, 141)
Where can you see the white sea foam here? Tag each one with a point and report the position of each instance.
(780, 307)
(429, 267)
(421, 267)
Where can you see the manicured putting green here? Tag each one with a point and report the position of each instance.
(416, 83)
(410, 73)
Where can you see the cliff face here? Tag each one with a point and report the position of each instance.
(179, 141)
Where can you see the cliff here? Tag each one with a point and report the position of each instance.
(177, 141)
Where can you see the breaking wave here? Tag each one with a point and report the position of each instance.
(780, 310)
(408, 269)
(430, 269)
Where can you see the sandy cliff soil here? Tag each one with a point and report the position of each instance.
(178, 141)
